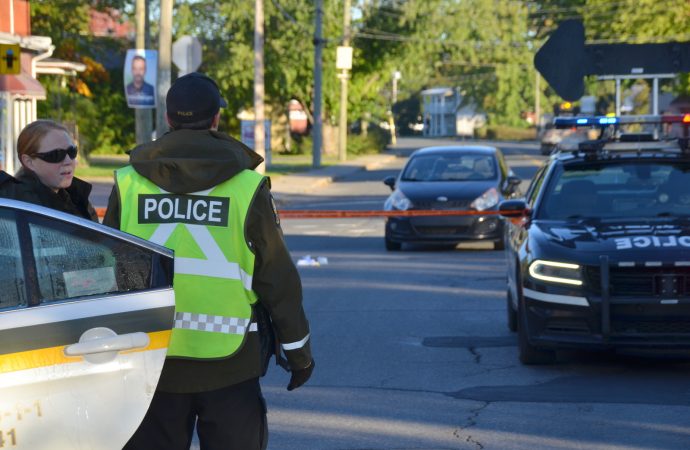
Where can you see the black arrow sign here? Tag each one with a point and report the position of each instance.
(564, 60)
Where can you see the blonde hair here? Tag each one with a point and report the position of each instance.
(30, 138)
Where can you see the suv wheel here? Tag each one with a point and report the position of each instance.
(529, 354)
(392, 246)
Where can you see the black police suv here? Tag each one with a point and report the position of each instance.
(599, 248)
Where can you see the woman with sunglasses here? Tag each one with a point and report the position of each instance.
(48, 157)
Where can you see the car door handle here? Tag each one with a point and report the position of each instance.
(100, 344)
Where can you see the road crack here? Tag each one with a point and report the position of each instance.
(471, 422)
(477, 356)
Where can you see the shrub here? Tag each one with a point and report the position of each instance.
(375, 141)
(506, 133)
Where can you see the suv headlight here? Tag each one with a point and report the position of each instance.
(556, 272)
(487, 200)
(397, 200)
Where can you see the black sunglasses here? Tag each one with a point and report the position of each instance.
(57, 155)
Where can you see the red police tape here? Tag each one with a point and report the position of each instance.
(334, 214)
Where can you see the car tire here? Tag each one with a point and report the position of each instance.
(529, 354)
(392, 246)
(512, 314)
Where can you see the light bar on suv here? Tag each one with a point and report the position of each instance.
(605, 121)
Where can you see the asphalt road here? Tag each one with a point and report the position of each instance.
(412, 351)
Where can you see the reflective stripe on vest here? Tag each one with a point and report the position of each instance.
(213, 263)
(216, 324)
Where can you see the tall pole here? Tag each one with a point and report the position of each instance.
(342, 122)
(537, 101)
(143, 122)
(318, 69)
(394, 100)
(259, 129)
(164, 61)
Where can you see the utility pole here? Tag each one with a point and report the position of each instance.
(344, 75)
(394, 100)
(143, 121)
(259, 128)
(164, 61)
(318, 69)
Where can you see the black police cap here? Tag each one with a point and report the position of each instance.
(192, 98)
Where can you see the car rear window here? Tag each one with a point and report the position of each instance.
(444, 167)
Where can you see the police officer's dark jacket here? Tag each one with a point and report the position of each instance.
(186, 161)
(28, 188)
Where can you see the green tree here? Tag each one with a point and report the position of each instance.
(94, 100)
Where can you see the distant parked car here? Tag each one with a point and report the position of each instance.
(462, 178)
(552, 137)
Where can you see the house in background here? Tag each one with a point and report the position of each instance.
(19, 93)
(446, 115)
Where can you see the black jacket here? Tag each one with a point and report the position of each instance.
(185, 161)
(28, 188)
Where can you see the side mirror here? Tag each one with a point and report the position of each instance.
(513, 208)
(390, 182)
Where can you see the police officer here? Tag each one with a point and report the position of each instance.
(194, 190)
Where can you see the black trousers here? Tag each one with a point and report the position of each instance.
(232, 418)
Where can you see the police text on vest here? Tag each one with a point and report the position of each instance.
(175, 208)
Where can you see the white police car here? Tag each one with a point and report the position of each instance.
(599, 256)
(85, 319)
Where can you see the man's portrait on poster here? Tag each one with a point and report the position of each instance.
(138, 69)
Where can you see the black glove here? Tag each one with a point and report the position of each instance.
(300, 376)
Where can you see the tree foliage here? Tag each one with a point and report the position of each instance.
(94, 99)
(485, 48)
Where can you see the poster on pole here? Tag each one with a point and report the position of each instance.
(247, 133)
(140, 74)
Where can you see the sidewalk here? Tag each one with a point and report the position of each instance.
(311, 180)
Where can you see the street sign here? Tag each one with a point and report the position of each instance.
(186, 54)
(564, 60)
(343, 58)
(10, 59)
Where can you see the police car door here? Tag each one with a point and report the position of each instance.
(85, 319)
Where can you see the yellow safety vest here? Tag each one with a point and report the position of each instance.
(213, 263)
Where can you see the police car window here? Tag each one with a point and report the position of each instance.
(72, 262)
(534, 187)
(621, 190)
(12, 283)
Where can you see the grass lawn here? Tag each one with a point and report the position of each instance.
(103, 166)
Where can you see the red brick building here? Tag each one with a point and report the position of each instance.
(19, 93)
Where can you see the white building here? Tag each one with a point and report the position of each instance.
(444, 115)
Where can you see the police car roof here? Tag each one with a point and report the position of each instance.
(598, 150)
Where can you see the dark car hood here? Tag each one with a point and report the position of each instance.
(425, 191)
(633, 240)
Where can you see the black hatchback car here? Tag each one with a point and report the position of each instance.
(600, 256)
(455, 178)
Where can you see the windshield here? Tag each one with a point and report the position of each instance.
(444, 167)
(618, 190)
